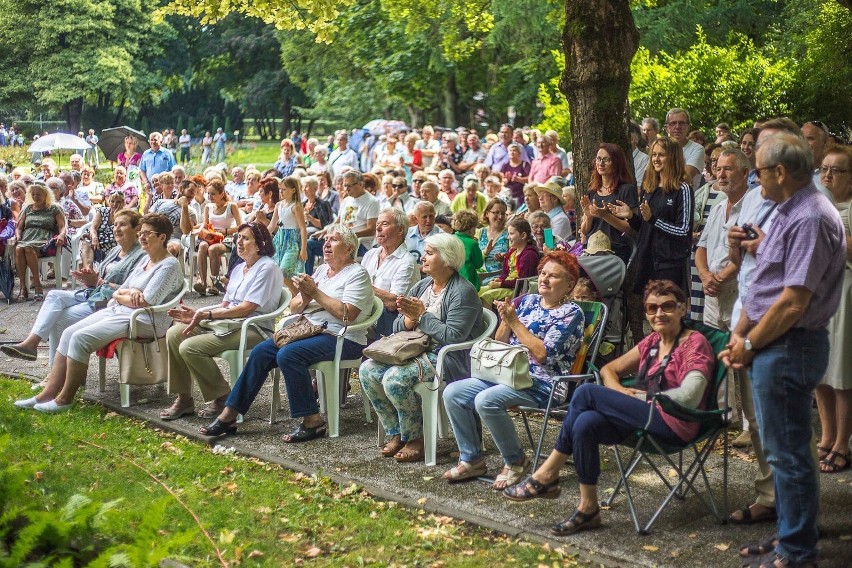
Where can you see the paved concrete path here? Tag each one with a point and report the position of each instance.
(685, 535)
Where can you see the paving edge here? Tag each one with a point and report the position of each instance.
(580, 553)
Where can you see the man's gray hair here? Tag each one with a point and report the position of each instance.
(55, 184)
(790, 151)
(348, 235)
(740, 159)
(400, 217)
(539, 216)
(676, 111)
(179, 168)
(449, 248)
(353, 175)
(424, 205)
(652, 121)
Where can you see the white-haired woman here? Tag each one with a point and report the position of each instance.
(338, 294)
(445, 307)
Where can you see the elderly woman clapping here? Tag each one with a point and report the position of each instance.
(254, 289)
(550, 326)
(63, 308)
(445, 307)
(338, 294)
(155, 280)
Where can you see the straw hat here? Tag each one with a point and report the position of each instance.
(552, 188)
(598, 243)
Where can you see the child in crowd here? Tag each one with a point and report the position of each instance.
(289, 231)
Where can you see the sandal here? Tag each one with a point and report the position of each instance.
(822, 453)
(409, 454)
(746, 517)
(199, 287)
(530, 488)
(466, 470)
(828, 465)
(211, 291)
(174, 411)
(305, 434)
(511, 474)
(577, 522)
(758, 547)
(392, 446)
(23, 296)
(38, 296)
(211, 410)
(219, 428)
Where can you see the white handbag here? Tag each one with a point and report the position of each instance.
(501, 363)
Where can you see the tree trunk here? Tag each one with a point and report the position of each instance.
(599, 41)
(451, 100)
(73, 115)
(286, 117)
(117, 119)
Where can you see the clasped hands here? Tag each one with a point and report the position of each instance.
(412, 308)
(735, 356)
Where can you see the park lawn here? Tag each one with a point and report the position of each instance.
(261, 154)
(256, 513)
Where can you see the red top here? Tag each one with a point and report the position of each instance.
(693, 354)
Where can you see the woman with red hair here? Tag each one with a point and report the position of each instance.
(551, 327)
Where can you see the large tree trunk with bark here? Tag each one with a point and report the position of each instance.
(599, 40)
(74, 115)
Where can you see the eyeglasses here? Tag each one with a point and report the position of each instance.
(832, 170)
(418, 180)
(147, 234)
(761, 170)
(602, 160)
(668, 307)
(677, 123)
(347, 187)
(397, 185)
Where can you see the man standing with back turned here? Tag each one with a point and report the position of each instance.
(782, 333)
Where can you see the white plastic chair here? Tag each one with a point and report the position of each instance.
(75, 250)
(124, 389)
(236, 358)
(328, 374)
(435, 421)
(188, 243)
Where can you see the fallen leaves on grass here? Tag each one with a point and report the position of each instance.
(313, 552)
(169, 447)
(255, 554)
(226, 536)
(722, 546)
(651, 548)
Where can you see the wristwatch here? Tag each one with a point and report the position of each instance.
(747, 344)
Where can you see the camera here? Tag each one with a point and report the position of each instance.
(751, 234)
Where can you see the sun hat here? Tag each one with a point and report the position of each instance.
(598, 243)
(552, 188)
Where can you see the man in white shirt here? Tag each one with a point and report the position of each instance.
(343, 156)
(91, 152)
(475, 154)
(428, 145)
(640, 158)
(677, 126)
(650, 130)
(424, 213)
(185, 143)
(392, 269)
(236, 188)
(430, 193)
(358, 211)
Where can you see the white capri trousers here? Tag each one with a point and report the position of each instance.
(85, 337)
(60, 310)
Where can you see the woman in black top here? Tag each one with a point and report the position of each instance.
(611, 185)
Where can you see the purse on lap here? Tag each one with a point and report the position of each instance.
(497, 362)
(302, 327)
(399, 348)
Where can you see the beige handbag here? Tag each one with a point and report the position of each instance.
(143, 361)
(302, 327)
(399, 348)
(501, 363)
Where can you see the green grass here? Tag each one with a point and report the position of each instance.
(257, 514)
(261, 154)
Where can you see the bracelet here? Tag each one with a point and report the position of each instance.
(210, 314)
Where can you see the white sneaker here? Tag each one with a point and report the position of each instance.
(26, 402)
(50, 407)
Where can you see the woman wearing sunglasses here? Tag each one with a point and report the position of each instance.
(673, 360)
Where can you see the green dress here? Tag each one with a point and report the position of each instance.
(472, 259)
(39, 226)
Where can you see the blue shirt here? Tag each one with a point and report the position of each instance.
(417, 242)
(156, 163)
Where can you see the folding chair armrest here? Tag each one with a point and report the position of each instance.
(672, 408)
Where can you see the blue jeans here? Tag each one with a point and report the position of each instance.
(600, 415)
(490, 401)
(293, 359)
(784, 376)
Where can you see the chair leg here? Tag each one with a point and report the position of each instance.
(368, 413)
(276, 397)
(429, 402)
(101, 375)
(380, 433)
(125, 395)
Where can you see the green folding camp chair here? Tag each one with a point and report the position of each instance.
(712, 422)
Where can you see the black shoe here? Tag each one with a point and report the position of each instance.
(218, 428)
(305, 434)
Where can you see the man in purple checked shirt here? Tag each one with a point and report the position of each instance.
(782, 333)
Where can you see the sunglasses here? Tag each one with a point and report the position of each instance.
(397, 185)
(668, 307)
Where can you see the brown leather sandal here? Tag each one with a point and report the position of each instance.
(392, 446)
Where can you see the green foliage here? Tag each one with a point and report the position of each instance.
(735, 83)
(556, 115)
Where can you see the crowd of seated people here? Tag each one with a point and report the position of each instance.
(438, 230)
